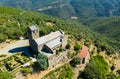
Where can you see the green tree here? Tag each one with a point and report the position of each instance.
(25, 70)
(57, 52)
(118, 71)
(77, 47)
(68, 46)
(6, 75)
(112, 76)
(3, 37)
(75, 61)
(112, 68)
(61, 49)
(41, 61)
(70, 54)
(96, 69)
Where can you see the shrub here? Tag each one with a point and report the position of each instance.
(57, 52)
(112, 68)
(96, 69)
(3, 55)
(77, 47)
(112, 76)
(70, 54)
(61, 49)
(75, 61)
(25, 70)
(41, 62)
(6, 75)
(68, 46)
(118, 71)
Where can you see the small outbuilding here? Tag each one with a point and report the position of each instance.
(84, 55)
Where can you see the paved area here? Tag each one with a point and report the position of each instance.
(18, 46)
(19, 75)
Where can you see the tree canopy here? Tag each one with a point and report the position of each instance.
(75, 61)
(77, 47)
(68, 46)
(42, 61)
(6, 75)
(96, 69)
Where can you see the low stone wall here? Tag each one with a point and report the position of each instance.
(57, 59)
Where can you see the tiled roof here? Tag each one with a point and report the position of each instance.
(48, 38)
(84, 52)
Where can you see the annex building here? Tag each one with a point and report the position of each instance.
(84, 55)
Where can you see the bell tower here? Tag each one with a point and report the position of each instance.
(33, 32)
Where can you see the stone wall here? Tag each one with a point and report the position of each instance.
(54, 60)
(86, 59)
(64, 41)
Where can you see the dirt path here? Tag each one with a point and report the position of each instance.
(22, 12)
(77, 70)
(76, 73)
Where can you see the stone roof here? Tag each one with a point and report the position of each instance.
(48, 38)
(84, 52)
(34, 27)
(54, 43)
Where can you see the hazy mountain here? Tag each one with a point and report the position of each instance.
(69, 8)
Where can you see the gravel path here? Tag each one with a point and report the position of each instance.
(78, 69)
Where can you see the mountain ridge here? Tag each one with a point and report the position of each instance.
(82, 9)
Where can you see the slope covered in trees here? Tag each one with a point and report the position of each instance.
(96, 69)
(67, 8)
(13, 24)
(109, 27)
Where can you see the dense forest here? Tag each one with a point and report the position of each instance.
(14, 22)
(67, 8)
(98, 68)
(108, 27)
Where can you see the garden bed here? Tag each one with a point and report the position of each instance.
(13, 61)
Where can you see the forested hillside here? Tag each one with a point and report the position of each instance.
(13, 24)
(109, 27)
(68, 8)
